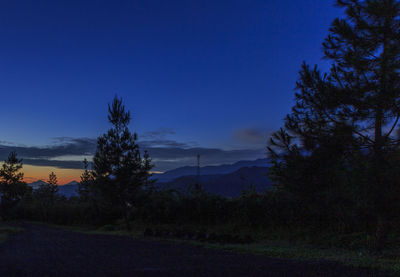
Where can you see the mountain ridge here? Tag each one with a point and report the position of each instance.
(228, 185)
(208, 170)
(225, 180)
(68, 190)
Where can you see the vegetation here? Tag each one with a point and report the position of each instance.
(6, 230)
(45, 195)
(335, 163)
(338, 151)
(12, 187)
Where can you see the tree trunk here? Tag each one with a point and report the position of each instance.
(378, 149)
(126, 217)
(380, 235)
(378, 183)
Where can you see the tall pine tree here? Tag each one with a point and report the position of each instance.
(45, 195)
(86, 182)
(118, 168)
(354, 109)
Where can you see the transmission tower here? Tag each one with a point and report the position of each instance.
(198, 168)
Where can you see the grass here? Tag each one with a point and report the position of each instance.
(350, 249)
(6, 231)
(104, 230)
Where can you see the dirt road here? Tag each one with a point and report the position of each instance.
(45, 251)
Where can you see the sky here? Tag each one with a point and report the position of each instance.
(209, 77)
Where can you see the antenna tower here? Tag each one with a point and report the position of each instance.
(198, 168)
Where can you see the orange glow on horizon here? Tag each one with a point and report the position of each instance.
(34, 173)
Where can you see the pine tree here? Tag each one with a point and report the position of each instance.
(45, 195)
(53, 183)
(12, 186)
(354, 109)
(86, 182)
(119, 170)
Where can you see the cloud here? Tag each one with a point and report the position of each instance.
(42, 156)
(158, 138)
(53, 163)
(253, 136)
(160, 133)
(165, 143)
(68, 153)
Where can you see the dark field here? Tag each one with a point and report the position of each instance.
(45, 251)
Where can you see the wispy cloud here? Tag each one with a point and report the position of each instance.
(66, 152)
(253, 137)
(160, 133)
(70, 146)
(158, 138)
(165, 143)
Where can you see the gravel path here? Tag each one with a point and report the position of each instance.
(45, 251)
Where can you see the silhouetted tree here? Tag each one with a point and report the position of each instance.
(45, 195)
(86, 182)
(12, 187)
(119, 169)
(52, 183)
(90, 193)
(349, 112)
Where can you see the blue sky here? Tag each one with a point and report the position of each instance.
(205, 74)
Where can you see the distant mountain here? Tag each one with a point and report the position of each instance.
(67, 190)
(225, 180)
(37, 184)
(208, 170)
(228, 185)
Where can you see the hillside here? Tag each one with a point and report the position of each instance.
(229, 185)
(67, 190)
(208, 170)
(223, 180)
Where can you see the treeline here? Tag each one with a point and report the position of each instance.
(16, 193)
(107, 191)
(117, 186)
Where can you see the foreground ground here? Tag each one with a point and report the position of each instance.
(45, 251)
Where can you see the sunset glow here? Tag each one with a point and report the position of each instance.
(34, 173)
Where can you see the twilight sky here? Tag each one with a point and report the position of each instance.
(210, 77)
